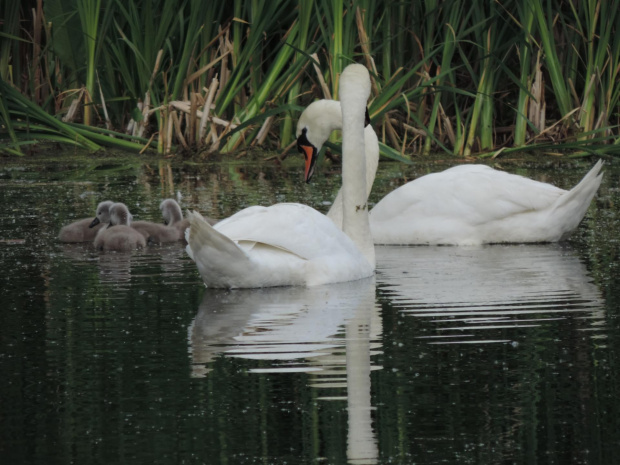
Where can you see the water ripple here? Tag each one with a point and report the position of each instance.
(295, 328)
(470, 295)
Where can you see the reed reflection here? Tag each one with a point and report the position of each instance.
(329, 332)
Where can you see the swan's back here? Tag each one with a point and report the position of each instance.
(293, 227)
(284, 244)
(474, 204)
(476, 191)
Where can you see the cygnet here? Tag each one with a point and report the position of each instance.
(119, 235)
(86, 229)
(173, 217)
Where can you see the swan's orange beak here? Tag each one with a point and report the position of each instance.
(310, 154)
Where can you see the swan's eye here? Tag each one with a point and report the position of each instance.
(302, 141)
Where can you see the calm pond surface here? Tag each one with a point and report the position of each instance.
(494, 354)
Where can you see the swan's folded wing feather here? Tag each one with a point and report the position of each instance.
(201, 235)
(476, 193)
(295, 228)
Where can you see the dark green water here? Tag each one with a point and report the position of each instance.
(498, 354)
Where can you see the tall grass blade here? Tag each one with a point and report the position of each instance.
(546, 30)
(88, 11)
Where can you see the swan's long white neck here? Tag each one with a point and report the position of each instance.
(354, 92)
(371, 145)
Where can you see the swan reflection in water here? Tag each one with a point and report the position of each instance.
(474, 294)
(464, 295)
(300, 329)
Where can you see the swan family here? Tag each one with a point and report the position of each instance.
(291, 244)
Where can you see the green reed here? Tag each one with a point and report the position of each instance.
(448, 75)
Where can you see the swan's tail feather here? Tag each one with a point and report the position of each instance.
(572, 206)
(216, 255)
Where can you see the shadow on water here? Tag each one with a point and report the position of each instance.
(168, 262)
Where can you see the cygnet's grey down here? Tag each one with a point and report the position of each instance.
(153, 233)
(102, 216)
(156, 233)
(173, 217)
(118, 235)
(172, 230)
(85, 230)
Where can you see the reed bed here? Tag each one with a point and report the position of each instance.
(467, 79)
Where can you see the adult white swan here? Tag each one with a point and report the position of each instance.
(293, 244)
(463, 205)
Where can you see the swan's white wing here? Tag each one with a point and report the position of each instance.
(281, 245)
(468, 204)
(296, 228)
(476, 194)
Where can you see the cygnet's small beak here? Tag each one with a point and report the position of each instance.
(94, 223)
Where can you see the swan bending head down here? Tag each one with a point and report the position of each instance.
(314, 127)
(171, 212)
(463, 205)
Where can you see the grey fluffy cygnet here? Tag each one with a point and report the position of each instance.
(156, 233)
(85, 230)
(173, 217)
(172, 230)
(119, 235)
